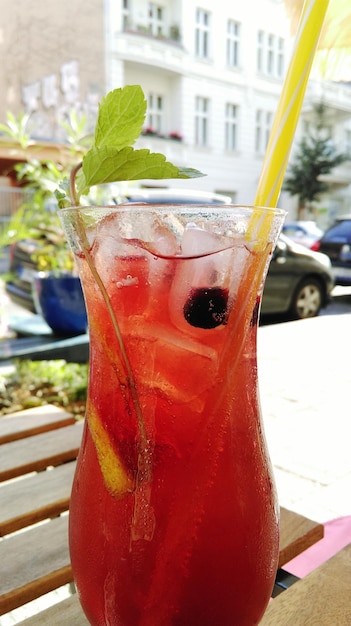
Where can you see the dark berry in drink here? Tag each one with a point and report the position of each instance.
(207, 307)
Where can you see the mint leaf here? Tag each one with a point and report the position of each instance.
(112, 157)
(62, 194)
(107, 165)
(121, 117)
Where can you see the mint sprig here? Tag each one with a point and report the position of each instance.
(112, 157)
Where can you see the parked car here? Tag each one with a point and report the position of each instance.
(336, 243)
(163, 195)
(298, 284)
(305, 232)
(299, 281)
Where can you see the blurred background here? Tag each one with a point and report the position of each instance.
(212, 76)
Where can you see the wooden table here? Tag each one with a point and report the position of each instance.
(71, 349)
(37, 462)
(35, 340)
(323, 598)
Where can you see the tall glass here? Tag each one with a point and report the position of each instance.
(173, 514)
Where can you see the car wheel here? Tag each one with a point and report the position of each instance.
(308, 299)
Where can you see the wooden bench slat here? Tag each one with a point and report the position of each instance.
(66, 612)
(35, 497)
(32, 422)
(33, 563)
(297, 534)
(40, 451)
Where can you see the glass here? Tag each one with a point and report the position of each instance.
(173, 514)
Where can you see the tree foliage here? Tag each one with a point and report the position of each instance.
(316, 156)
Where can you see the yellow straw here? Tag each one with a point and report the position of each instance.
(287, 114)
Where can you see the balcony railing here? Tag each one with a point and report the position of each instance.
(169, 34)
(336, 96)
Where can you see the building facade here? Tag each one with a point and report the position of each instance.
(52, 60)
(212, 75)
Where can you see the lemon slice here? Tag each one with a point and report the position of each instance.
(116, 478)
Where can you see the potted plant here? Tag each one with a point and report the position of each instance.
(175, 136)
(60, 301)
(41, 263)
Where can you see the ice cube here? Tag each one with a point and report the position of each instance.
(165, 241)
(206, 263)
(109, 244)
(171, 364)
(197, 241)
(214, 264)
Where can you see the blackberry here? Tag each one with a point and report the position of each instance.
(206, 307)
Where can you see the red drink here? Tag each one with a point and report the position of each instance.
(173, 516)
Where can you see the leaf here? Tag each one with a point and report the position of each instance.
(121, 117)
(107, 165)
(112, 157)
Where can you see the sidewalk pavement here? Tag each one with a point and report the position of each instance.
(305, 383)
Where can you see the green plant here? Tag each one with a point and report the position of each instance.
(37, 220)
(315, 157)
(16, 129)
(174, 32)
(33, 383)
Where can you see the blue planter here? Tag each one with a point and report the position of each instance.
(59, 299)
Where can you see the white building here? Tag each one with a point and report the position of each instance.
(212, 73)
(336, 98)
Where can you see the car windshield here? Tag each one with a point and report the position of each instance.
(173, 199)
(341, 231)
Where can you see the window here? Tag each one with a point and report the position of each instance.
(125, 14)
(280, 57)
(326, 132)
(233, 43)
(348, 142)
(155, 112)
(270, 54)
(156, 19)
(202, 34)
(306, 127)
(231, 126)
(260, 50)
(258, 131)
(264, 121)
(201, 121)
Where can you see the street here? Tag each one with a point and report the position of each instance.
(341, 302)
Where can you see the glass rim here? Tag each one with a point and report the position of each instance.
(176, 207)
